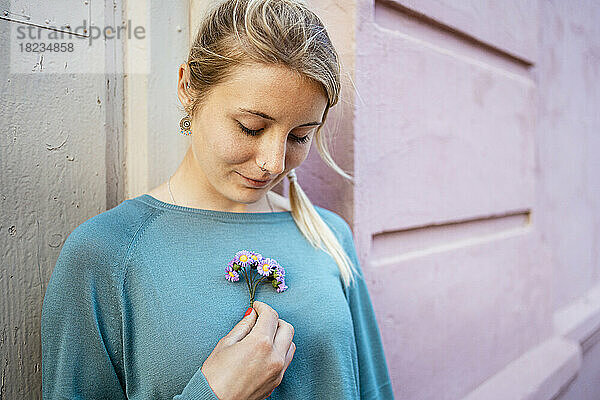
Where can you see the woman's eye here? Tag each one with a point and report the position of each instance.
(249, 131)
(252, 132)
(302, 139)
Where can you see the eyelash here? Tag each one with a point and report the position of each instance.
(251, 132)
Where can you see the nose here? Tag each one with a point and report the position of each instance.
(271, 153)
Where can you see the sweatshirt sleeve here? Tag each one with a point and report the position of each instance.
(374, 380)
(81, 323)
(197, 389)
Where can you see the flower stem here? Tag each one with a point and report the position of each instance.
(248, 284)
(259, 281)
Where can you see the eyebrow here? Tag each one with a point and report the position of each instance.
(265, 116)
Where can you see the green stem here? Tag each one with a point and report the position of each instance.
(248, 284)
(254, 287)
(246, 277)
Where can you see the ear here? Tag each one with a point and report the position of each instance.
(182, 91)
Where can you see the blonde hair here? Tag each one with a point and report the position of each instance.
(281, 32)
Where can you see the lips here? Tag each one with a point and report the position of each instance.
(256, 181)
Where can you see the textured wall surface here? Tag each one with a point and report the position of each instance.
(458, 243)
(446, 186)
(568, 143)
(59, 165)
(154, 146)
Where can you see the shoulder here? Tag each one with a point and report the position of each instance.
(102, 241)
(338, 224)
(344, 234)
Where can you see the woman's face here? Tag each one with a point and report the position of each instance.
(263, 115)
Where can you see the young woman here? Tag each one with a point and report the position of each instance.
(138, 306)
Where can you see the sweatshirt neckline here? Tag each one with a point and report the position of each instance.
(222, 215)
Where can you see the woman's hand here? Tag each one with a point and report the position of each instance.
(249, 362)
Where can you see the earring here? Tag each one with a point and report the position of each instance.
(186, 125)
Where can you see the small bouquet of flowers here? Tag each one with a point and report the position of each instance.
(268, 270)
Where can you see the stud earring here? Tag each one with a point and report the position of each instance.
(186, 125)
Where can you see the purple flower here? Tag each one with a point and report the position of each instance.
(231, 275)
(247, 262)
(234, 266)
(243, 258)
(279, 274)
(282, 287)
(266, 265)
(255, 257)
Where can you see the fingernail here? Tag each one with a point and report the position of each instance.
(248, 311)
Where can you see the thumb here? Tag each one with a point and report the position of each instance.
(241, 329)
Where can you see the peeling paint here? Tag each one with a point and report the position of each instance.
(38, 64)
(3, 386)
(50, 148)
(56, 240)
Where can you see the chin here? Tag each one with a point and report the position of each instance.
(248, 195)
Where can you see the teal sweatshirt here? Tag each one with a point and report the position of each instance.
(138, 300)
